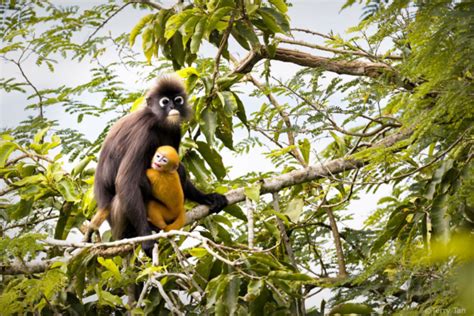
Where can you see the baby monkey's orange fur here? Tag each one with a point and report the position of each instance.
(168, 212)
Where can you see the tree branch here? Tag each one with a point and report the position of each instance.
(311, 173)
(335, 50)
(353, 68)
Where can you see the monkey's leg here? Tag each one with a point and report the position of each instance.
(155, 211)
(178, 223)
(95, 223)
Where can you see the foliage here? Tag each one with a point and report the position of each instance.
(414, 253)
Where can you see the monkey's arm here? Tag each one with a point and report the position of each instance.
(215, 201)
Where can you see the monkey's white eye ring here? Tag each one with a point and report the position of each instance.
(179, 100)
(164, 102)
(165, 160)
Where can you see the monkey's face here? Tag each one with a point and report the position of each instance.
(167, 100)
(166, 159)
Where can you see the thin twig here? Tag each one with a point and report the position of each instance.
(106, 21)
(250, 222)
(222, 46)
(148, 3)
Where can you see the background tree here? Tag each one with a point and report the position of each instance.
(403, 118)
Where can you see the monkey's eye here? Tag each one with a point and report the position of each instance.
(164, 102)
(179, 100)
(165, 160)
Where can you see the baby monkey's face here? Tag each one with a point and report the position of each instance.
(165, 159)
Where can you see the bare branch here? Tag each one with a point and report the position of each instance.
(337, 243)
(148, 3)
(354, 68)
(335, 50)
(106, 21)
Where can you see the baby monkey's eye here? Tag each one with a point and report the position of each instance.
(179, 100)
(165, 160)
(164, 102)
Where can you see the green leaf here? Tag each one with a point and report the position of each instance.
(148, 43)
(280, 5)
(110, 265)
(222, 219)
(188, 28)
(241, 111)
(198, 252)
(215, 289)
(68, 190)
(81, 165)
(266, 260)
(290, 276)
(196, 39)
(34, 179)
(136, 104)
(339, 141)
(245, 31)
(294, 209)
(253, 191)
(270, 21)
(305, 149)
(351, 308)
(236, 211)
(109, 299)
(6, 148)
(216, 17)
(176, 21)
(213, 159)
(254, 288)
(196, 166)
(38, 139)
(281, 19)
(232, 294)
(393, 227)
(240, 39)
(187, 72)
(138, 27)
(20, 209)
(228, 101)
(178, 50)
(224, 132)
(208, 124)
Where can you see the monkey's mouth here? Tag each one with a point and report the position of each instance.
(173, 113)
(156, 165)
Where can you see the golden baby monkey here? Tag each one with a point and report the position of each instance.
(168, 212)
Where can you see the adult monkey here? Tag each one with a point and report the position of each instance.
(121, 187)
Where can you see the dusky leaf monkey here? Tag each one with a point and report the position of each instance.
(121, 187)
(167, 211)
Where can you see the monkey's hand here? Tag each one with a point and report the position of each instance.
(216, 202)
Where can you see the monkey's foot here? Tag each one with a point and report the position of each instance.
(89, 233)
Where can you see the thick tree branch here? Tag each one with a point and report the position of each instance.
(354, 68)
(310, 173)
